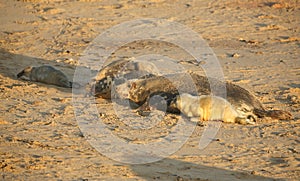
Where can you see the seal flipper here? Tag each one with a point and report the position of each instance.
(20, 74)
(275, 114)
(279, 114)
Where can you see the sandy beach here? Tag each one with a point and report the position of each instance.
(257, 45)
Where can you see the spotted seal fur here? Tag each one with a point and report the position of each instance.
(117, 73)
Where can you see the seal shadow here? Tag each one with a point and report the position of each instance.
(11, 64)
(171, 169)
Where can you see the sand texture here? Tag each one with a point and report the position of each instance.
(257, 44)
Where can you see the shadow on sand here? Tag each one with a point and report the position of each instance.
(11, 64)
(171, 169)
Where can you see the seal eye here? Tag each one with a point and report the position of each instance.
(251, 118)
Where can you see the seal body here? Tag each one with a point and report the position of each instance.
(240, 99)
(46, 74)
(140, 90)
(119, 72)
(210, 108)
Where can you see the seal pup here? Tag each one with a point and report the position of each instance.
(48, 75)
(210, 108)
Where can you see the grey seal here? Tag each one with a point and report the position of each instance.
(48, 75)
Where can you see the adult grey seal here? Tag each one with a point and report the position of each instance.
(241, 99)
(140, 90)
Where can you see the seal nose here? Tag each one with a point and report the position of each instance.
(20, 74)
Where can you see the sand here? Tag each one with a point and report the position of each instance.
(257, 45)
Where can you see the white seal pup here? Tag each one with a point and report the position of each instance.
(210, 108)
(48, 75)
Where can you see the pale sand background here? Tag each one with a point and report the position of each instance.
(39, 135)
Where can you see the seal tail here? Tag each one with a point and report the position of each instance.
(275, 114)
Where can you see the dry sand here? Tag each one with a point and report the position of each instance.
(257, 43)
